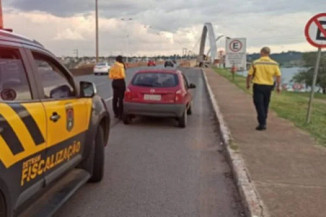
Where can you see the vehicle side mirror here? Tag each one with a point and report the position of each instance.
(87, 89)
(191, 86)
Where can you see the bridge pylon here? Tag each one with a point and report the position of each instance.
(207, 29)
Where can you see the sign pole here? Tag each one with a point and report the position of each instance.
(315, 34)
(313, 86)
(233, 69)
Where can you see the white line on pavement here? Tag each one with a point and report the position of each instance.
(101, 83)
(108, 99)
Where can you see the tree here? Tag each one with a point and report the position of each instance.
(307, 75)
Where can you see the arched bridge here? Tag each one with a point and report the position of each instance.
(207, 29)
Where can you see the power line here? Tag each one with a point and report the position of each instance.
(196, 45)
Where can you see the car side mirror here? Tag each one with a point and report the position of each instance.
(87, 89)
(191, 86)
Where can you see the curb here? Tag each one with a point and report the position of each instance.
(254, 206)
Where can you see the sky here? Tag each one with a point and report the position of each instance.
(160, 27)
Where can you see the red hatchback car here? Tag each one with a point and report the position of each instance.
(159, 93)
(151, 63)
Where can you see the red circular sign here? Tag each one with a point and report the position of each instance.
(315, 31)
(8, 94)
(235, 46)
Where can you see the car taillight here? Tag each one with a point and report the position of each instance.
(178, 96)
(128, 94)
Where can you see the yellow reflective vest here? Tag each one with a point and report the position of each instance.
(263, 71)
(117, 71)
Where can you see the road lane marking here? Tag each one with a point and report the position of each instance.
(108, 99)
(101, 83)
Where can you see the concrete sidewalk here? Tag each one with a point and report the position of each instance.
(284, 164)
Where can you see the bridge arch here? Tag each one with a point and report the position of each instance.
(207, 29)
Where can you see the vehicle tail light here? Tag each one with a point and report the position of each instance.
(178, 96)
(128, 94)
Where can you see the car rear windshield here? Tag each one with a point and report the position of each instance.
(100, 64)
(155, 80)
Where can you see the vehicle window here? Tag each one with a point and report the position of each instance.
(54, 81)
(14, 85)
(185, 81)
(155, 80)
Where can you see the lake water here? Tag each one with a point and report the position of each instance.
(287, 75)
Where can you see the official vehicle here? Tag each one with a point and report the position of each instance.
(53, 130)
(159, 93)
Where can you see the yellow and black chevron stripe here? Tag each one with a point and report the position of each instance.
(20, 134)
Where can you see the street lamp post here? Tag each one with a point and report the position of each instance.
(127, 48)
(96, 29)
(127, 51)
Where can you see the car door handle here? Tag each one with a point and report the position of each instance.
(55, 117)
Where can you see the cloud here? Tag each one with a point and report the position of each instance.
(159, 26)
(60, 8)
(68, 34)
(64, 8)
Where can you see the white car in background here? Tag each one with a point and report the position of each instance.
(101, 68)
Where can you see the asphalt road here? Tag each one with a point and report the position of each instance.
(154, 168)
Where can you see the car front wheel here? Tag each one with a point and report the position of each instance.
(98, 163)
(3, 207)
(126, 119)
(189, 110)
(183, 119)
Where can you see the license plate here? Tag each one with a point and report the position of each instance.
(152, 97)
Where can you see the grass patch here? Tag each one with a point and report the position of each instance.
(292, 106)
(233, 146)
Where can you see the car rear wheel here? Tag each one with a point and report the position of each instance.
(98, 163)
(189, 110)
(183, 119)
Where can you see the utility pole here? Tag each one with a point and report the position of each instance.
(1, 20)
(127, 48)
(96, 27)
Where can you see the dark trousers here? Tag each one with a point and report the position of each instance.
(119, 87)
(262, 95)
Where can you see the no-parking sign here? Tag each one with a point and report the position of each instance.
(235, 49)
(315, 30)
